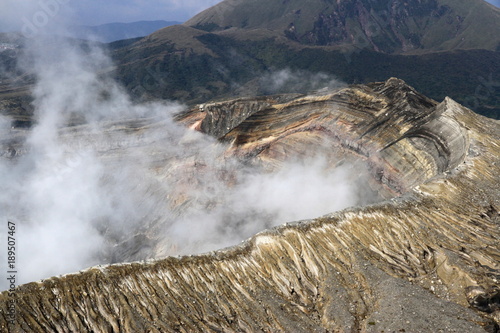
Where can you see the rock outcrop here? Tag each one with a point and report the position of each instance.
(425, 260)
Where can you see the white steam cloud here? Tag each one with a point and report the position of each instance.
(288, 80)
(126, 183)
(299, 190)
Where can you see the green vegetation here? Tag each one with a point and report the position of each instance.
(441, 47)
(471, 77)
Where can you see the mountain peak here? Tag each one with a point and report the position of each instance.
(388, 26)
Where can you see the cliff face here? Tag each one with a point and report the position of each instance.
(390, 126)
(425, 260)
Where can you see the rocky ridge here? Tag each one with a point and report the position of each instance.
(425, 260)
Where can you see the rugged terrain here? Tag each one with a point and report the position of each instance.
(426, 259)
(442, 48)
(388, 26)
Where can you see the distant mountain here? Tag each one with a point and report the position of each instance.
(389, 26)
(442, 47)
(237, 48)
(117, 31)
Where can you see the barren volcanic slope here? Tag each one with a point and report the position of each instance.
(424, 261)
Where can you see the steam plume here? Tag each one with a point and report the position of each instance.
(124, 182)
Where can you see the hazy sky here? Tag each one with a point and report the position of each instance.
(136, 10)
(14, 14)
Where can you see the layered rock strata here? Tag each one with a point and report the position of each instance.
(425, 260)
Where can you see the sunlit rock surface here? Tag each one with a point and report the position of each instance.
(425, 260)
